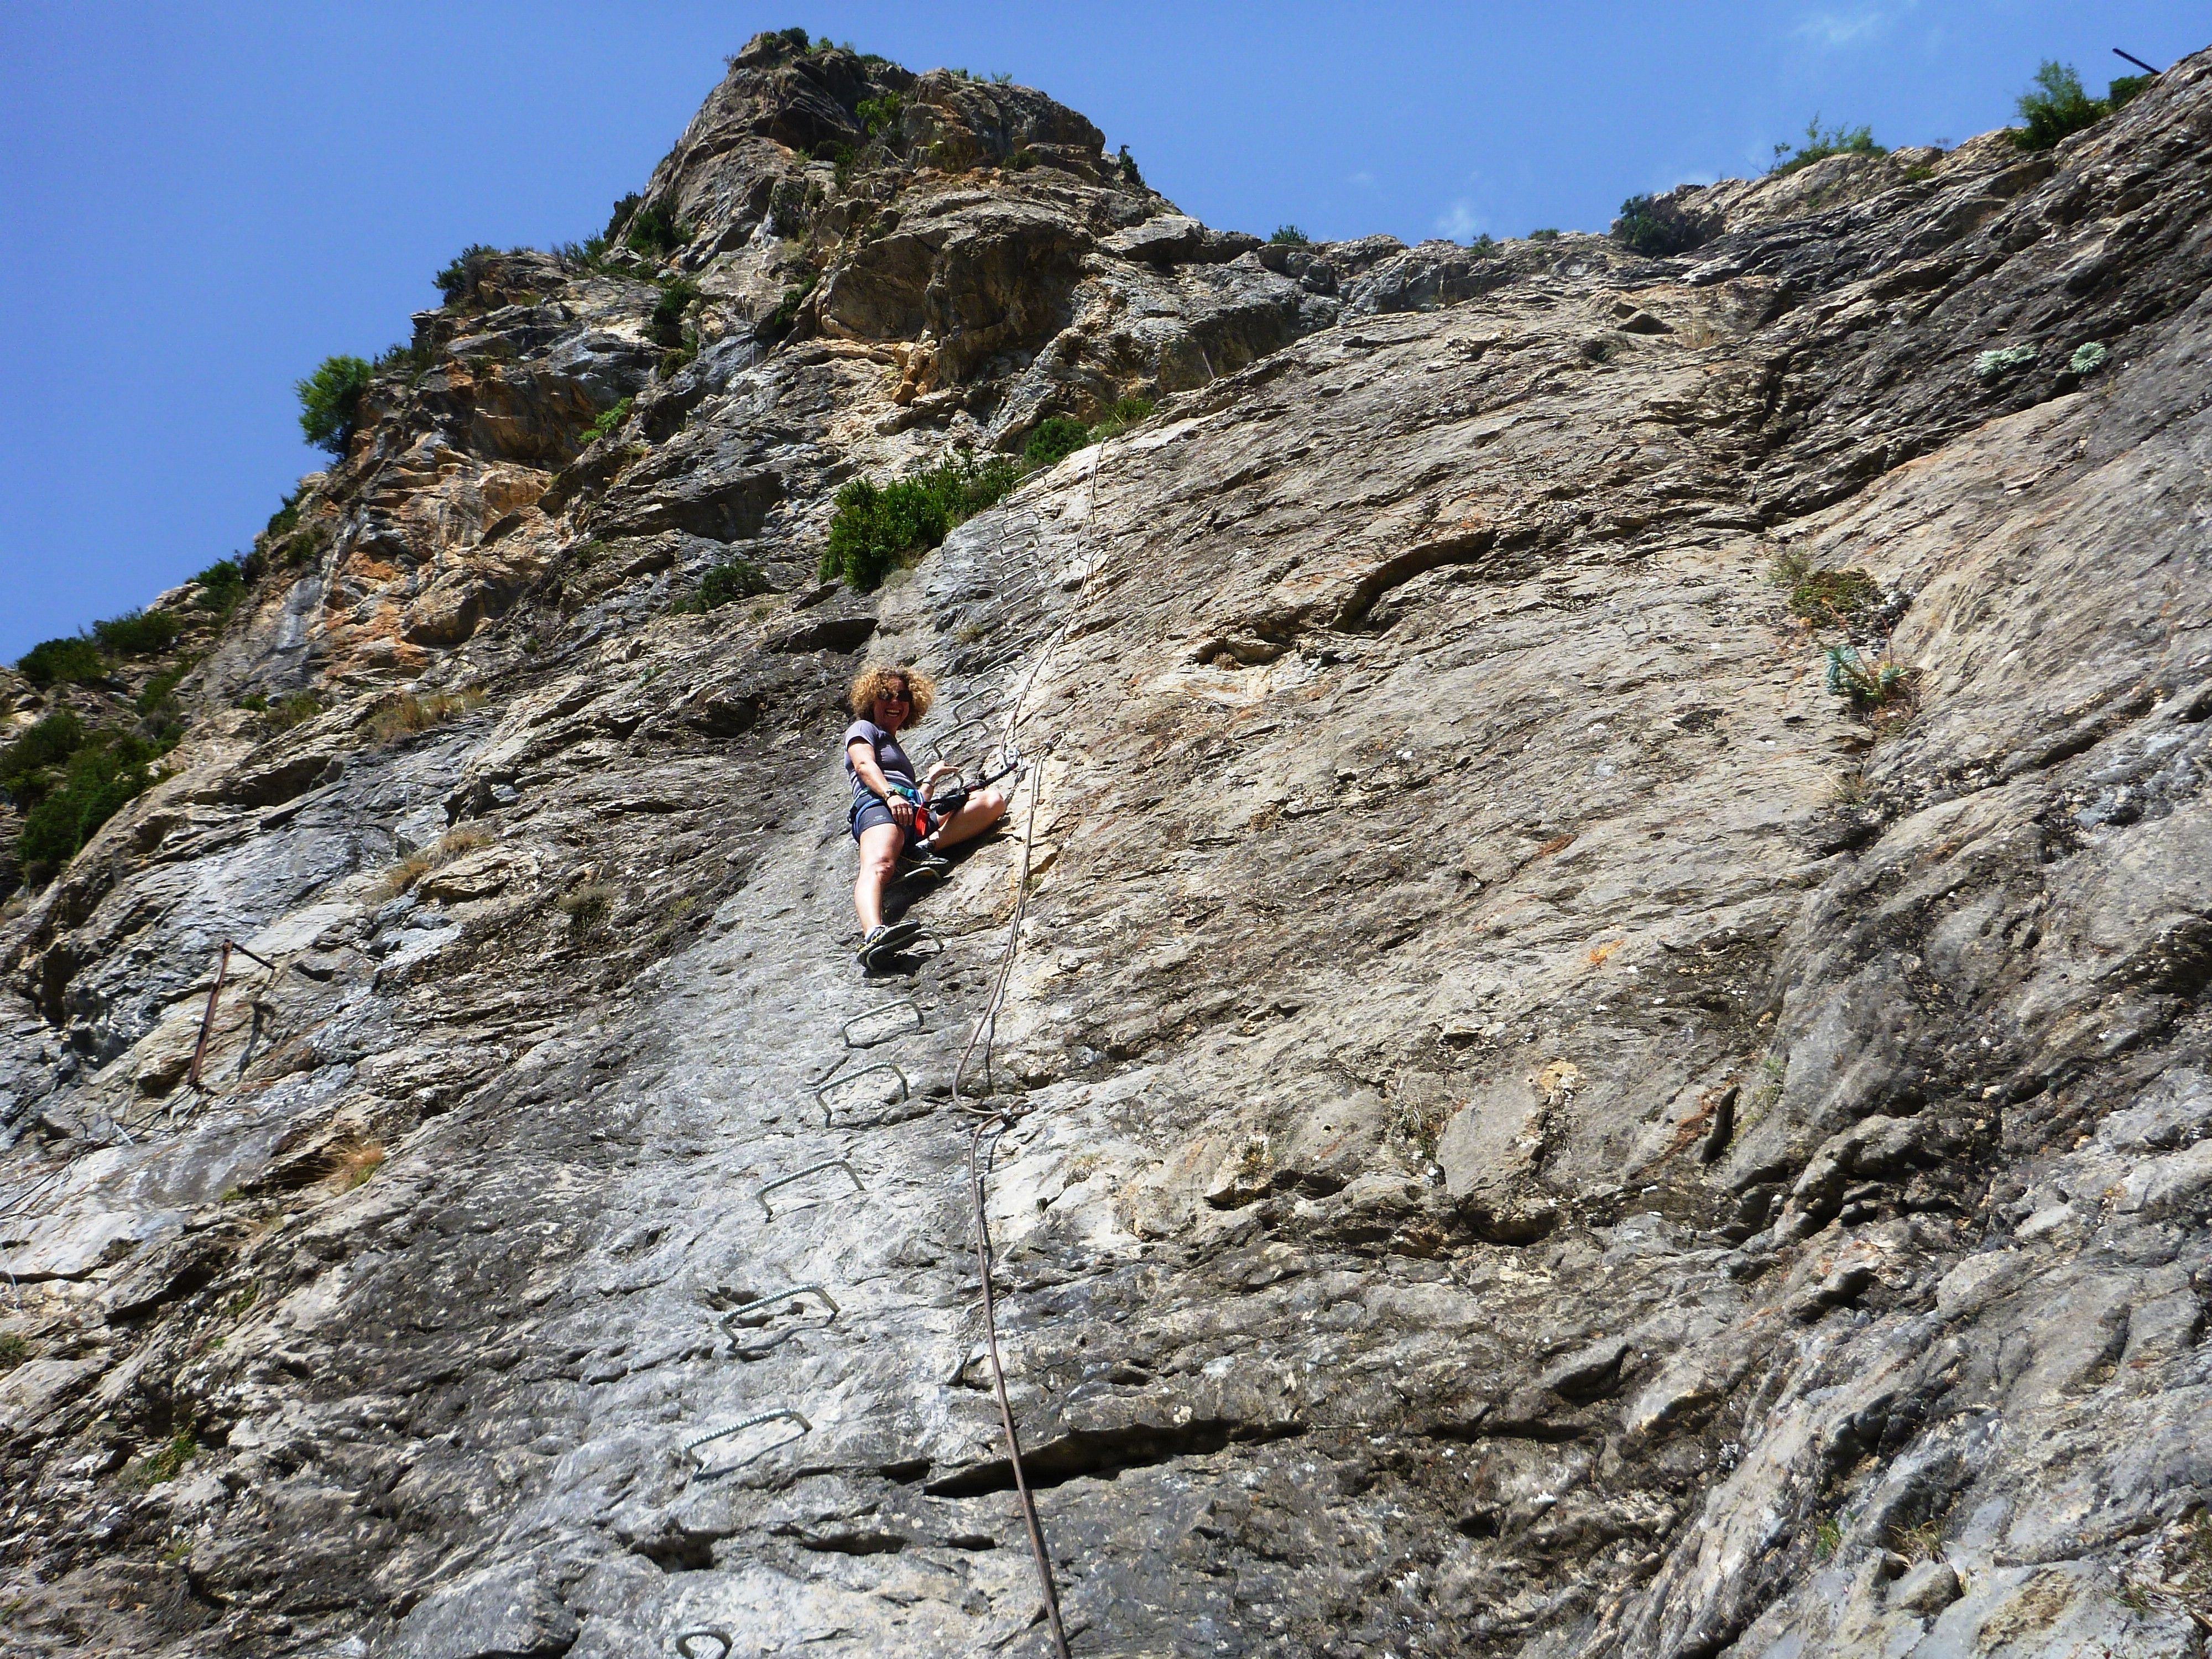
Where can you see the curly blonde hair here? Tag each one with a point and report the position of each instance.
(872, 683)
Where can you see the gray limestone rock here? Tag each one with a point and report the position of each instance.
(1543, 1121)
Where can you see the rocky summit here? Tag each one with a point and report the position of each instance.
(1587, 1037)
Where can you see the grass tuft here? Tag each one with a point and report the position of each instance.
(407, 714)
(352, 1165)
(587, 909)
(1836, 598)
(164, 1465)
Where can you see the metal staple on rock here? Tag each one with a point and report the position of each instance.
(791, 1295)
(684, 1640)
(740, 1427)
(862, 1018)
(859, 1186)
(830, 1112)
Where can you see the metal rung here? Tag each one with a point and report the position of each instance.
(990, 700)
(851, 1042)
(908, 950)
(829, 1109)
(938, 746)
(760, 1302)
(859, 1185)
(684, 1641)
(780, 1412)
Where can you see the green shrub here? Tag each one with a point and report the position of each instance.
(678, 295)
(411, 360)
(1021, 161)
(1546, 235)
(1484, 247)
(162, 687)
(53, 661)
(878, 527)
(1864, 684)
(1053, 441)
(879, 116)
(1839, 599)
(329, 402)
(655, 231)
(459, 280)
(1128, 164)
(138, 633)
(222, 585)
(609, 422)
(2057, 107)
(286, 518)
(14, 1351)
(1290, 236)
(581, 256)
(730, 581)
(101, 778)
(1124, 413)
(1656, 226)
(781, 320)
(620, 217)
(2120, 94)
(26, 764)
(287, 712)
(1818, 146)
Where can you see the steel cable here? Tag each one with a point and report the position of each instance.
(985, 1033)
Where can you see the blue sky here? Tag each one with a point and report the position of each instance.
(198, 204)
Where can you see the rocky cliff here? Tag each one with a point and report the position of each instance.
(1608, 1040)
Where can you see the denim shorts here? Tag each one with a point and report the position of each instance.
(868, 814)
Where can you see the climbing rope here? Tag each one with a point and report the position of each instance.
(989, 1118)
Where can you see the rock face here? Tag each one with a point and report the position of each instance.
(1609, 1034)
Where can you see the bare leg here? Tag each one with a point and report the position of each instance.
(977, 813)
(879, 848)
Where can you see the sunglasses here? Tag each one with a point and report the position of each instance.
(893, 696)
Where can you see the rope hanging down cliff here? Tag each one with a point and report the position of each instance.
(996, 1119)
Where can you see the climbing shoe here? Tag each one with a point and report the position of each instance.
(920, 862)
(886, 940)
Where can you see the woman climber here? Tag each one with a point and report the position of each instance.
(892, 818)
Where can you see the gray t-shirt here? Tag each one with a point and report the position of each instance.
(889, 756)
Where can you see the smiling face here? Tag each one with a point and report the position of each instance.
(893, 705)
